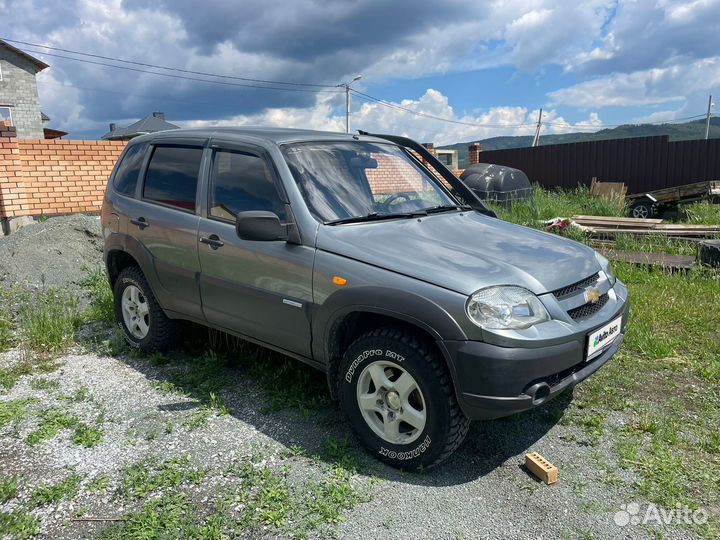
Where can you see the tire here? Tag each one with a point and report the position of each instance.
(152, 330)
(429, 393)
(642, 210)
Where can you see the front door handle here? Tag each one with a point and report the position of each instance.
(140, 222)
(213, 241)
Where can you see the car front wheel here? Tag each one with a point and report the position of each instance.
(399, 399)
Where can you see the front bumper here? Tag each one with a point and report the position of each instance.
(494, 381)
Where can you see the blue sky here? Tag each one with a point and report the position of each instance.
(489, 66)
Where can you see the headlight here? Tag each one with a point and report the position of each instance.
(505, 307)
(606, 267)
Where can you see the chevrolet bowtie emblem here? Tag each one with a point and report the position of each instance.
(592, 295)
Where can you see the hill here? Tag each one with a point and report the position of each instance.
(676, 132)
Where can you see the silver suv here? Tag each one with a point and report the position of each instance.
(363, 256)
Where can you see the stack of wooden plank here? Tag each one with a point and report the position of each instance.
(608, 227)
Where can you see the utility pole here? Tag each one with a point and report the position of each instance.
(347, 102)
(536, 139)
(707, 122)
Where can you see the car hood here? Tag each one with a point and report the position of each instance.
(464, 251)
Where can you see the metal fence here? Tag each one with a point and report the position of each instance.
(642, 163)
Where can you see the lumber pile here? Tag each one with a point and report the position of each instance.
(608, 227)
(660, 260)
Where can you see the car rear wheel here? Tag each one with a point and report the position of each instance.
(141, 319)
(399, 399)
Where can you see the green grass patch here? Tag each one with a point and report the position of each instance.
(703, 213)
(149, 476)
(171, 516)
(54, 493)
(549, 204)
(54, 420)
(14, 411)
(8, 488)
(665, 380)
(43, 383)
(48, 322)
(87, 436)
(102, 305)
(18, 525)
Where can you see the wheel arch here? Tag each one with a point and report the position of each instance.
(401, 310)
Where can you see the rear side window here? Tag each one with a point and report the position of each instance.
(240, 182)
(172, 176)
(128, 170)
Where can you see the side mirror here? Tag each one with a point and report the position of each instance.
(260, 226)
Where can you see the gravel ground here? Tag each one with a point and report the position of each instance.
(483, 491)
(56, 252)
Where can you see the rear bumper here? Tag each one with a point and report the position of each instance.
(497, 381)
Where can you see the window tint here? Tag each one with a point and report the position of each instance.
(128, 170)
(172, 176)
(242, 182)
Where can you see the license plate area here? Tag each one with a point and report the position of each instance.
(598, 340)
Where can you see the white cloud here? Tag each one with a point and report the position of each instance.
(655, 86)
(374, 117)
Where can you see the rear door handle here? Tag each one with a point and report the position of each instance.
(140, 222)
(213, 241)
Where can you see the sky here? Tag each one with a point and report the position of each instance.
(488, 66)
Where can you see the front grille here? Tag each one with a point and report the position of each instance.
(587, 310)
(575, 287)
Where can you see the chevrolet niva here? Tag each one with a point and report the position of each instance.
(363, 256)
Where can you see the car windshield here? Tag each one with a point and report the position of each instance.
(343, 181)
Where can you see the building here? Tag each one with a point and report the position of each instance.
(19, 101)
(150, 124)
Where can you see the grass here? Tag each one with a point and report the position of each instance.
(18, 525)
(54, 493)
(14, 411)
(8, 488)
(48, 321)
(665, 379)
(546, 204)
(42, 383)
(149, 476)
(703, 213)
(54, 420)
(102, 306)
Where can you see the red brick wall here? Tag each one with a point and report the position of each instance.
(53, 176)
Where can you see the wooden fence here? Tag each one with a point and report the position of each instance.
(642, 163)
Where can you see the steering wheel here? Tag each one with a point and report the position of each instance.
(385, 206)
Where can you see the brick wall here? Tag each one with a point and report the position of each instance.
(44, 177)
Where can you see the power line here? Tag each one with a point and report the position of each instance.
(368, 97)
(185, 77)
(156, 66)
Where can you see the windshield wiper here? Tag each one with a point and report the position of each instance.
(444, 208)
(372, 216)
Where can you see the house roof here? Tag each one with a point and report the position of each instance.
(150, 124)
(39, 64)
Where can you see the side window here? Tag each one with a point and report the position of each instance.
(241, 182)
(172, 176)
(126, 176)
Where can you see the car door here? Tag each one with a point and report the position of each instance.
(262, 290)
(163, 219)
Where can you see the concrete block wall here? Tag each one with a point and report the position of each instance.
(46, 177)
(18, 90)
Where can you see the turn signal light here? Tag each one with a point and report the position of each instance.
(339, 281)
